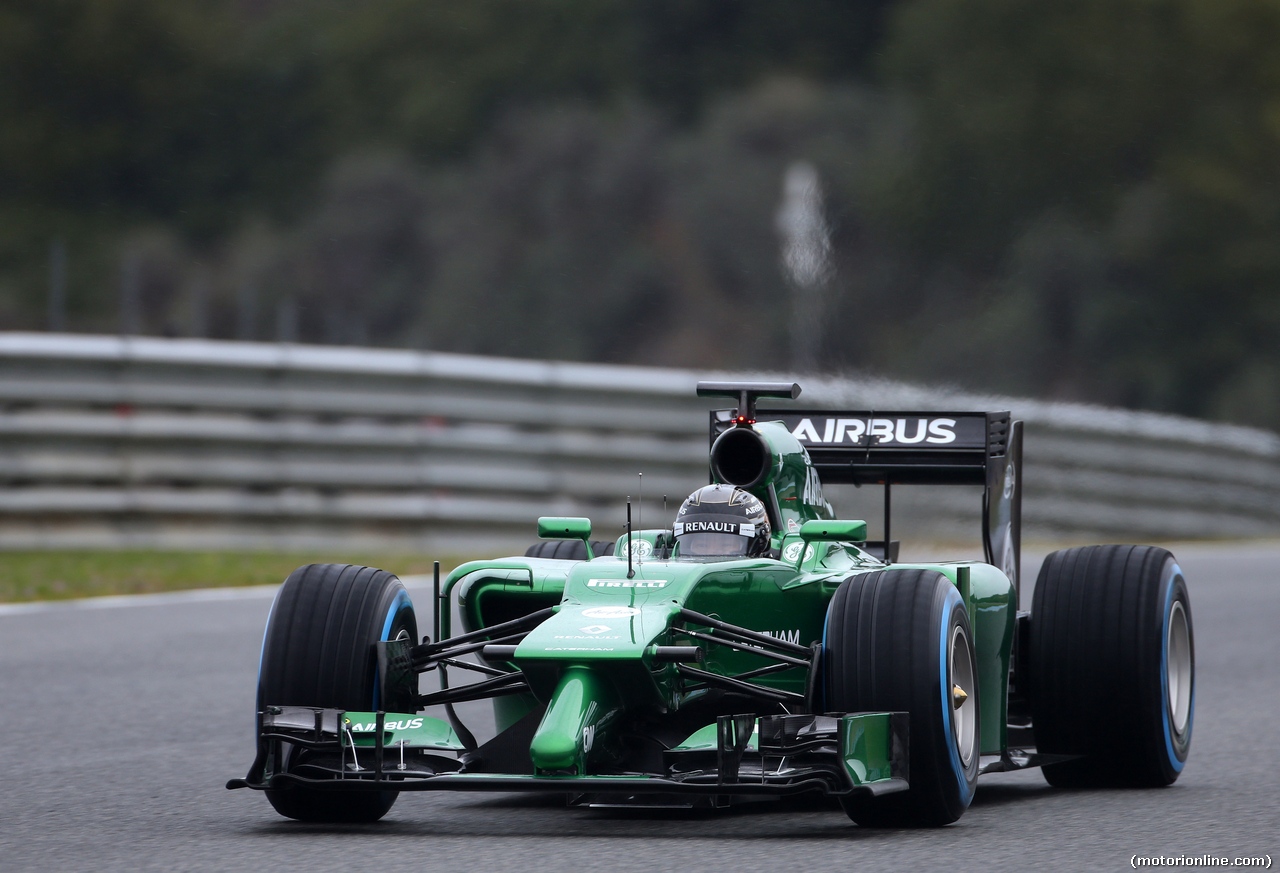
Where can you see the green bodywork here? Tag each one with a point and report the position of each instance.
(592, 664)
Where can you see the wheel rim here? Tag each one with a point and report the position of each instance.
(1178, 676)
(964, 716)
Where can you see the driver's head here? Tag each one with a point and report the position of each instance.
(721, 521)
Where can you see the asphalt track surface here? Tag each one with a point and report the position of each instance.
(121, 723)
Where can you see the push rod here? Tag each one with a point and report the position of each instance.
(474, 691)
(744, 647)
(743, 687)
(743, 633)
(752, 674)
(425, 651)
(763, 671)
(477, 668)
(427, 662)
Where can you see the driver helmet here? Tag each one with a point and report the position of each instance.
(721, 521)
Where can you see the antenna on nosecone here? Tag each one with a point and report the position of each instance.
(667, 542)
(631, 572)
(640, 509)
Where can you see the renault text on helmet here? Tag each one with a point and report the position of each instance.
(721, 521)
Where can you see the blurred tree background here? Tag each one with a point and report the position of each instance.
(1078, 201)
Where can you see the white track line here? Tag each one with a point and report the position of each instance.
(198, 595)
(168, 598)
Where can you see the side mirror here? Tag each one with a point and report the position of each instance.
(552, 527)
(837, 530)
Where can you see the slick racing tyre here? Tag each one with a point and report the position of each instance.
(319, 651)
(1112, 670)
(900, 641)
(568, 550)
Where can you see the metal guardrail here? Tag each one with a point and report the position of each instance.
(151, 442)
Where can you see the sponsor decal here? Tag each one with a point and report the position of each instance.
(812, 493)
(642, 548)
(579, 649)
(586, 637)
(727, 527)
(626, 583)
(957, 430)
(610, 612)
(406, 724)
(791, 554)
(588, 737)
(793, 525)
(787, 636)
(1010, 478)
(595, 628)
(884, 431)
(1007, 562)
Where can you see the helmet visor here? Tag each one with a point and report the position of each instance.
(713, 545)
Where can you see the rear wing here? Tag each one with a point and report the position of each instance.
(918, 448)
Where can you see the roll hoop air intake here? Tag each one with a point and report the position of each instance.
(740, 456)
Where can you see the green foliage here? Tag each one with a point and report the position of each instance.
(194, 113)
(1077, 200)
(1106, 169)
(541, 239)
(135, 110)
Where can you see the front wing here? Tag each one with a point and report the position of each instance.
(858, 753)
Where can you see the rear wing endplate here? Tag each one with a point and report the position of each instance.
(918, 448)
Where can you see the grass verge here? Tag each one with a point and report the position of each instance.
(67, 575)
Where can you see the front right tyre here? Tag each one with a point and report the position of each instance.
(319, 651)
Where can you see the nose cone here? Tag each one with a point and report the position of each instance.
(567, 735)
(560, 753)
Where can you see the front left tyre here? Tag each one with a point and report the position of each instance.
(899, 640)
(319, 651)
(1112, 666)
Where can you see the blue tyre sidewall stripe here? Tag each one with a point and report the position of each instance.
(1171, 585)
(826, 653)
(262, 654)
(400, 602)
(944, 644)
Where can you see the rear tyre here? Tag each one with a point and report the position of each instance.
(568, 550)
(1112, 670)
(319, 651)
(900, 641)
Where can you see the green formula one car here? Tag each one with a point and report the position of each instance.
(756, 646)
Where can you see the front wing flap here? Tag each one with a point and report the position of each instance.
(738, 755)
